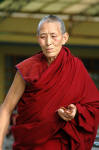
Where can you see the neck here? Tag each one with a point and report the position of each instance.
(50, 60)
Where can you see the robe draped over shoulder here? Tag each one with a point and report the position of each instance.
(66, 81)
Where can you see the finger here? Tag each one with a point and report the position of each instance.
(65, 118)
(71, 107)
(61, 110)
(67, 113)
(64, 115)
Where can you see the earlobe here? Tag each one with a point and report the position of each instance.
(65, 38)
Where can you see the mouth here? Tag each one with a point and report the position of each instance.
(49, 49)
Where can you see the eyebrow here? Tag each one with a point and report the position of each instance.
(42, 33)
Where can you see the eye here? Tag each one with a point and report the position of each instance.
(53, 36)
(42, 37)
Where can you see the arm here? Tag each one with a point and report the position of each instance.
(87, 107)
(83, 127)
(15, 92)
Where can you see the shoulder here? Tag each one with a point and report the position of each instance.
(30, 61)
(30, 66)
(74, 60)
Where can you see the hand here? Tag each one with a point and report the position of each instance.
(68, 113)
(1, 148)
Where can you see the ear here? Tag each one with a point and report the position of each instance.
(65, 38)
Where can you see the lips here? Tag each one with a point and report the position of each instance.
(49, 49)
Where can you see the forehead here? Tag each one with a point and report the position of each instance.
(51, 27)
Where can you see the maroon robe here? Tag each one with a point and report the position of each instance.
(64, 82)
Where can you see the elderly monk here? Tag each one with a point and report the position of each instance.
(57, 102)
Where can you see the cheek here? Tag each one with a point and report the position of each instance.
(41, 42)
(58, 41)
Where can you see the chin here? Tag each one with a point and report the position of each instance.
(50, 55)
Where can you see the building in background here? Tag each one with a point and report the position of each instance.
(18, 23)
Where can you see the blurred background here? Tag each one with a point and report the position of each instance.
(18, 24)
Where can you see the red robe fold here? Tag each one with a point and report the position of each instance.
(64, 82)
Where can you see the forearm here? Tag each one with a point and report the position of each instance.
(15, 92)
(4, 123)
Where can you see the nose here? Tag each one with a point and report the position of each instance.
(48, 41)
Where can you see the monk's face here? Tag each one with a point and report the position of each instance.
(51, 38)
